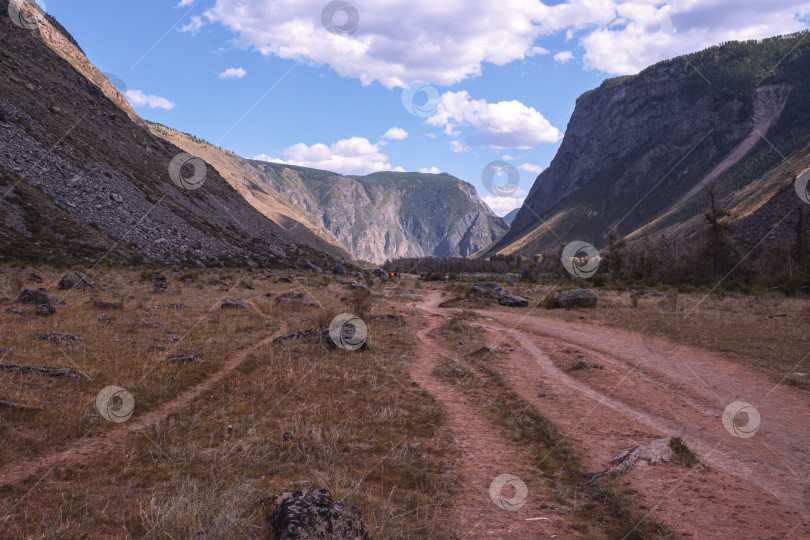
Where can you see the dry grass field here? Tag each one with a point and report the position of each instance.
(212, 439)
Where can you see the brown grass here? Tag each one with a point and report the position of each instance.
(292, 416)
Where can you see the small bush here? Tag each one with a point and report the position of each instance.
(681, 453)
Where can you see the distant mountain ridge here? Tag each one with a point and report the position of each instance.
(640, 151)
(83, 180)
(386, 215)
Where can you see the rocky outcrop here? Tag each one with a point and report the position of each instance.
(640, 151)
(494, 291)
(313, 514)
(388, 214)
(82, 178)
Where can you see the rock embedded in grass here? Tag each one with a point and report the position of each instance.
(186, 357)
(574, 298)
(314, 514)
(60, 338)
(75, 281)
(233, 303)
(34, 297)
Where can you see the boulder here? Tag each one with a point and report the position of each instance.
(491, 289)
(33, 296)
(75, 280)
(511, 300)
(313, 514)
(340, 269)
(576, 298)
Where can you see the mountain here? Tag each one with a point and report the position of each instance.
(386, 215)
(510, 217)
(640, 152)
(83, 179)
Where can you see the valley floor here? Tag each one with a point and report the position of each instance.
(412, 432)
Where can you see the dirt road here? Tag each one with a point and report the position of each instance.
(647, 390)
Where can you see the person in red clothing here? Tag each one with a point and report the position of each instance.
(390, 275)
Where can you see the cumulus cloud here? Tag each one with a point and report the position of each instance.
(563, 57)
(138, 99)
(529, 167)
(503, 205)
(356, 155)
(193, 25)
(506, 124)
(233, 73)
(398, 42)
(647, 32)
(432, 170)
(396, 134)
(458, 146)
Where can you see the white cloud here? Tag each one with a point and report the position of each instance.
(563, 57)
(503, 205)
(458, 146)
(138, 99)
(349, 156)
(233, 73)
(396, 134)
(506, 124)
(529, 167)
(193, 25)
(647, 33)
(184, 3)
(400, 41)
(432, 170)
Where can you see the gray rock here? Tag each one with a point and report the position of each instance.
(106, 305)
(59, 338)
(45, 310)
(485, 289)
(187, 357)
(576, 298)
(511, 300)
(234, 303)
(313, 514)
(75, 280)
(340, 270)
(34, 297)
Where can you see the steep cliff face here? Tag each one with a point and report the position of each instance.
(83, 179)
(387, 215)
(642, 150)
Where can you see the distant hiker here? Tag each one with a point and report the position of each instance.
(390, 275)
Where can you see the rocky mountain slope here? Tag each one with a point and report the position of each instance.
(640, 151)
(387, 215)
(83, 179)
(510, 217)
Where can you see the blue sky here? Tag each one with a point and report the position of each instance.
(267, 78)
